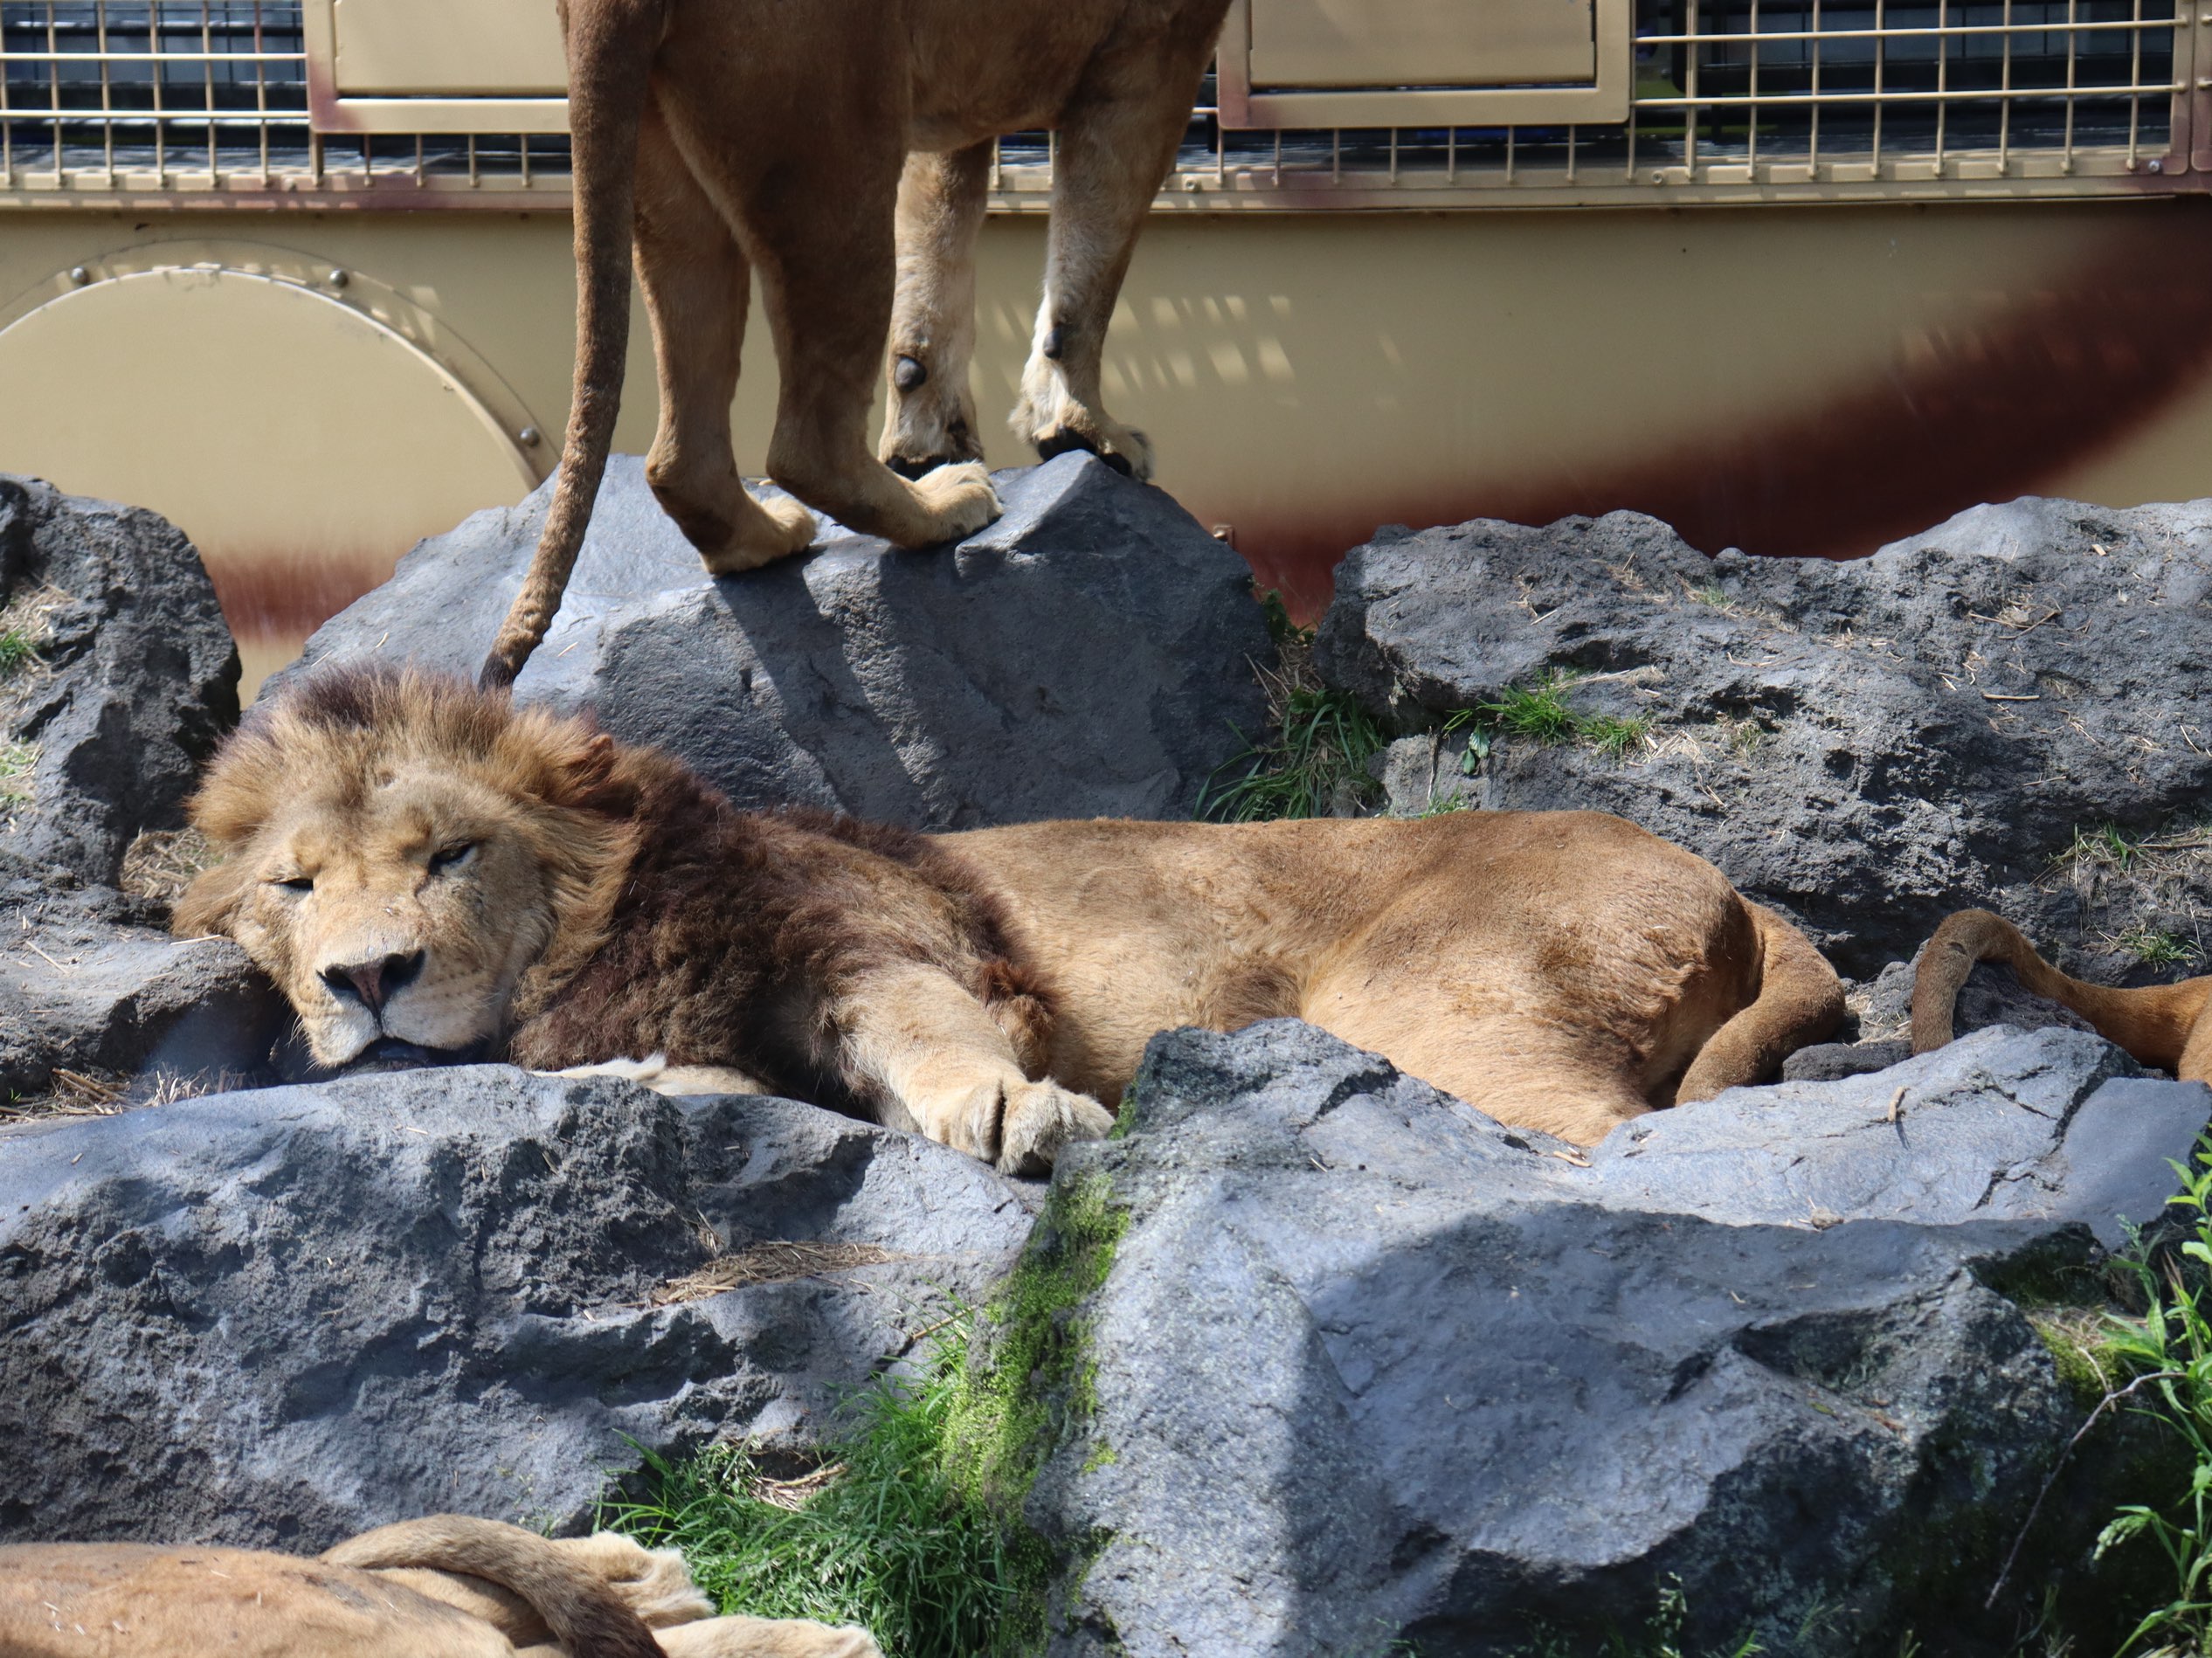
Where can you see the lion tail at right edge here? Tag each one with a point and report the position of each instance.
(586, 1616)
(611, 47)
(2160, 1025)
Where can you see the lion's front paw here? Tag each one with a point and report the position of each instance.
(959, 498)
(1039, 1118)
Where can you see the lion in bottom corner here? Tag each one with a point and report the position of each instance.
(430, 872)
(443, 1587)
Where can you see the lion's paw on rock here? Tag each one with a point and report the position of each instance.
(1039, 1118)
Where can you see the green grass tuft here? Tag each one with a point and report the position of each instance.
(2166, 1355)
(1612, 737)
(2104, 845)
(895, 1540)
(1319, 753)
(17, 760)
(1540, 712)
(2155, 948)
(15, 649)
(913, 1526)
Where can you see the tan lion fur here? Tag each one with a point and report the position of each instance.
(2160, 1025)
(596, 902)
(448, 1586)
(841, 150)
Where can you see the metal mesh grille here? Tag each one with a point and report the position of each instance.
(212, 94)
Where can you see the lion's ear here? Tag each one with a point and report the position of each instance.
(210, 904)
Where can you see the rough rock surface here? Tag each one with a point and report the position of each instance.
(1371, 1368)
(135, 680)
(1085, 656)
(1866, 745)
(278, 1317)
(89, 983)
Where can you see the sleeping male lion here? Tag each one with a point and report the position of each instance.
(445, 1587)
(842, 150)
(422, 866)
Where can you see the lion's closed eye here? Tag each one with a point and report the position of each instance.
(451, 857)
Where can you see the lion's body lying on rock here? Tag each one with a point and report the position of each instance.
(443, 1587)
(416, 863)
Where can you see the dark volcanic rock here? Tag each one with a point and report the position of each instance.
(282, 1317)
(85, 982)
(1370, 1368)
(1865, 745)
(1085, 656)
(134, 682)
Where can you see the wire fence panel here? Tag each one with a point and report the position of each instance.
(1733, 99)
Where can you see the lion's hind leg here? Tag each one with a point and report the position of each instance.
(820, 232)
(697, 285)
(1800, 1000)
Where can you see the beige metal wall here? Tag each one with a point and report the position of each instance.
(1802, 379)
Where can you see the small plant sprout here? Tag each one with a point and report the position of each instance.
(17, 760)
(2104, 846)
(2153, 948)
(1541, 712)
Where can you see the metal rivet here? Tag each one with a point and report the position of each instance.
(1191, 185)
(528, 436)
(2157, 166)
(339, 279)
(1658, 179)
(79, 275)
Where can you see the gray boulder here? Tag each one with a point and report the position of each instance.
(1368, 1368)
(1087, 655)
(87, 983)
(1954, 720)
(134, 681)
(277, 1318)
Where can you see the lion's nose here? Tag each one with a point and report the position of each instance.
(374, 983)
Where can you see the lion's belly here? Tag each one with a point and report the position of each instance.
(1425, 941)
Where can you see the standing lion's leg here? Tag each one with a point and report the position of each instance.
(820, 229)
(1116, 146)
(930, 418)
(930, 1053)
(696, 287)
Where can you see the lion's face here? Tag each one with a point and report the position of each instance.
(398, 866)
(405, 917)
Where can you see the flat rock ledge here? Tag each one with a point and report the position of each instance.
(1089, 655)
(277, 1318)
(1370, 1367)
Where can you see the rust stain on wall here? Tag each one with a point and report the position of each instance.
(1981, 411)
